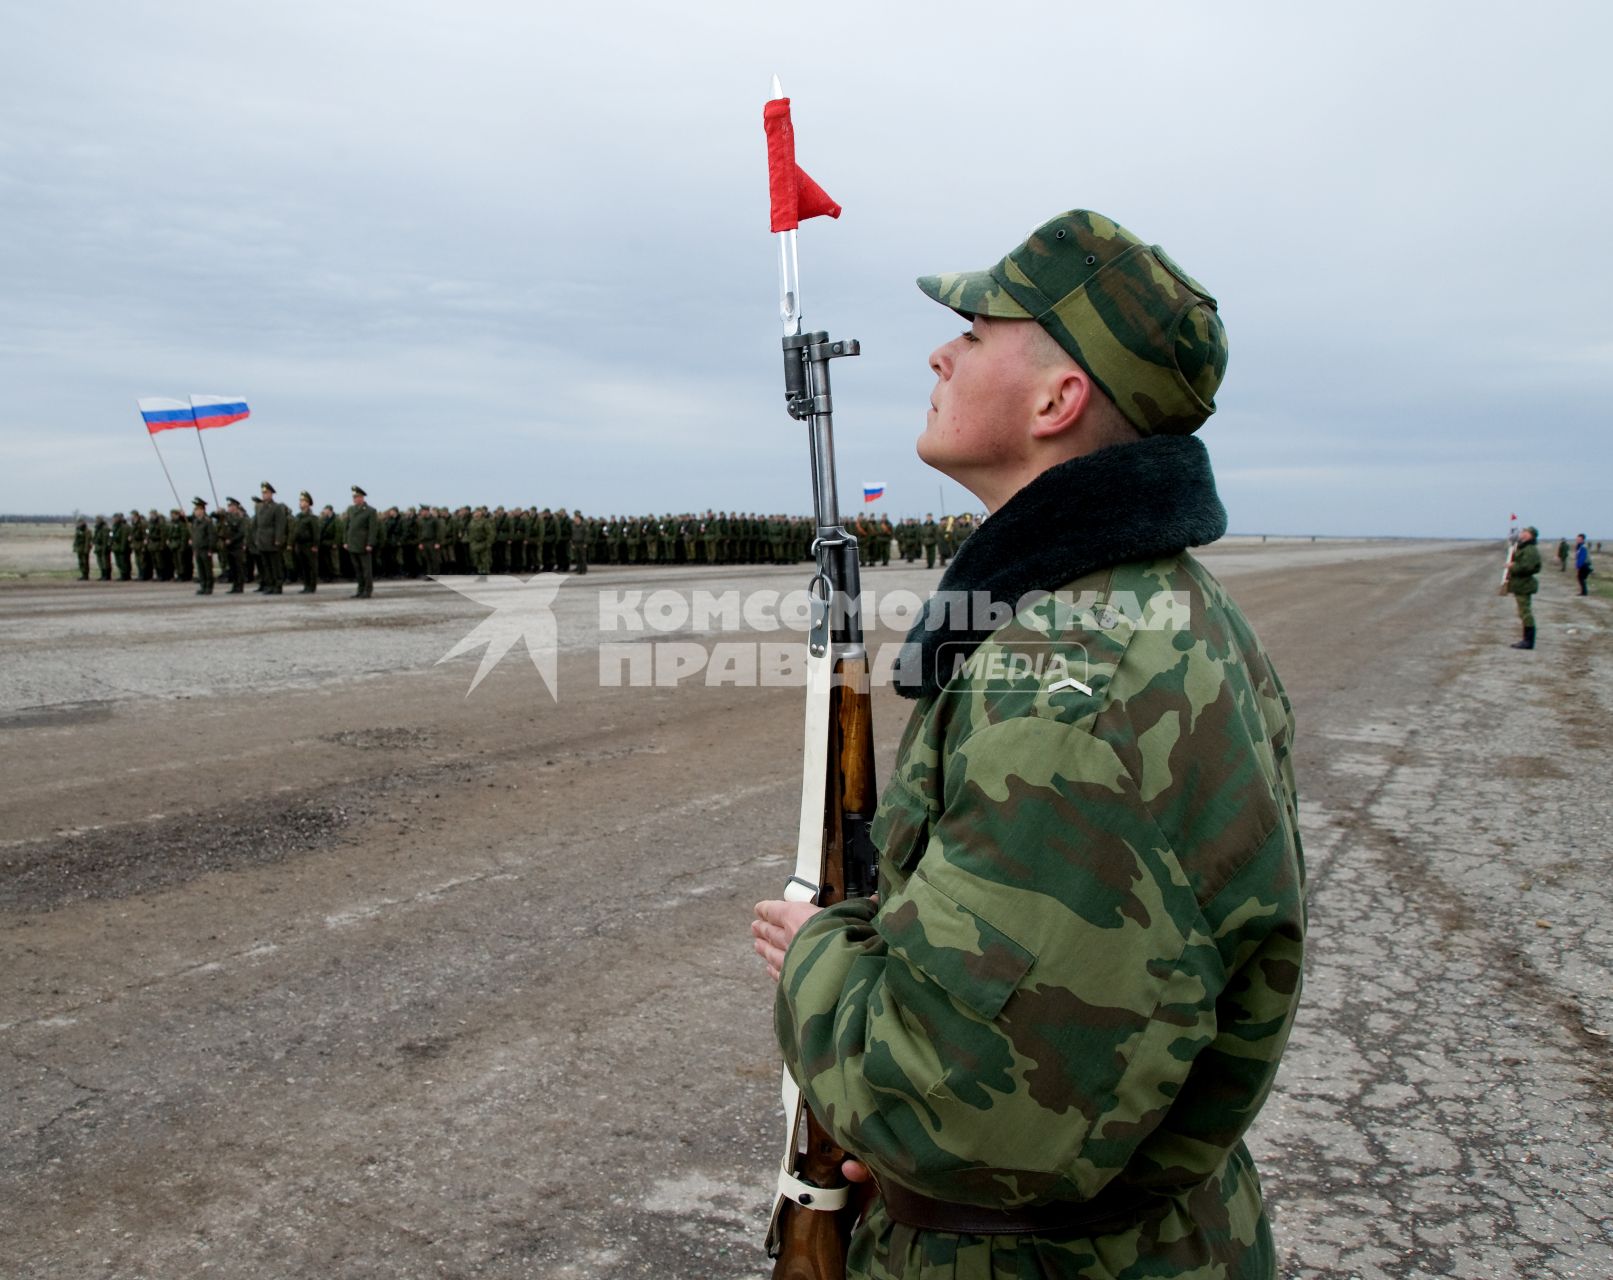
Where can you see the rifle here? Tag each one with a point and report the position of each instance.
(1506, 573)
(815, 1209)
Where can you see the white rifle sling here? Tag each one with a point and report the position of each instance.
(803, 885)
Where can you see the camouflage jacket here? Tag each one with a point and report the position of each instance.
(1086, 955)
(1523, 575)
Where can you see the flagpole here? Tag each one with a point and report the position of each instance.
(205, 462)
(152, 436)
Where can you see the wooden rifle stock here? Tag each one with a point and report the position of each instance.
(812, 1243)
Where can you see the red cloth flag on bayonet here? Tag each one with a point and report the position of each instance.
(794, 195)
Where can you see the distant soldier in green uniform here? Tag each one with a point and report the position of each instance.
(305, 543)
(162, 565)
(563, 526)
(203, 535)
(1562, 555)
(137, 544)
(327, 543)
(103, 548)
(481, 542)
(271, 532)
(1523, 580)
(121, 544)
(430, 540)
(83, 544)
(579, 543)
(363, 527)
(232, 540)
(180, 545)
(929, 536)
(520, 530)
(1048, 1035)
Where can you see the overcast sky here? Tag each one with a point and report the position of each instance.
(516, 252)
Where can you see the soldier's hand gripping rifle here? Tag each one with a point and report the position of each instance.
(816, 1208)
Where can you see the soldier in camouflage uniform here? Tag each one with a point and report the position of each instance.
(481, 542)
(1523, 580)
(120, 544)
(137, 544)
(83, 543)
(103, 549)
(929, 535)
(179, 545)
(1049, 1035)
(162, 565)
(579, 543)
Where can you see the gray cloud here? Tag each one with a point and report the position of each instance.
(518, 253)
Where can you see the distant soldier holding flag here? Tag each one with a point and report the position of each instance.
(1523, 580)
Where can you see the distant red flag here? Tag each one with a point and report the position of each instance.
(1514, 515)
(794, 195)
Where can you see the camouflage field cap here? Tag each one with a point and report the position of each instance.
(1145, 330)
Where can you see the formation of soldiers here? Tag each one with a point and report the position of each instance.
(274, 544)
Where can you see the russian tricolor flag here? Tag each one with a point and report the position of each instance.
(873, 492)
(218, 411)
(164, 415)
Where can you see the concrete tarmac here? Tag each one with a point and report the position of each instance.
(318, 964)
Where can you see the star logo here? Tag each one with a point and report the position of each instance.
(521, 611)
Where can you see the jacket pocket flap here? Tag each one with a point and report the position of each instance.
(968, 957)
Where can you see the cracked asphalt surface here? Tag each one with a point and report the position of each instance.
(314, 966)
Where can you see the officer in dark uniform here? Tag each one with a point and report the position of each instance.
(232, 538)
(203, 541)
(305, 543)
(363, 532)
(272, 529)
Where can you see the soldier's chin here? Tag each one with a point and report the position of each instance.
(933, 454)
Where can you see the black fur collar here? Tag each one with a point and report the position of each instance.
(1123, 504)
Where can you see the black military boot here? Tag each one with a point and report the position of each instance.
(1528, 641)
